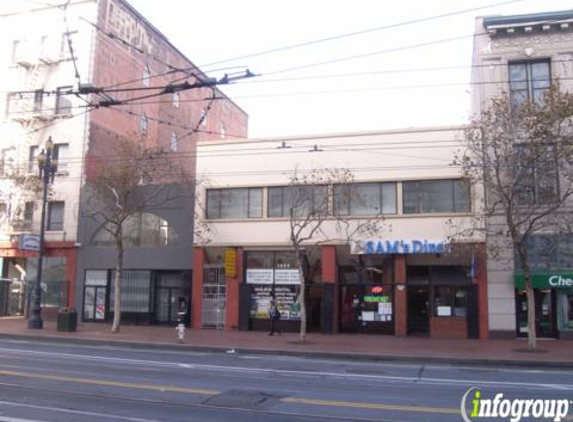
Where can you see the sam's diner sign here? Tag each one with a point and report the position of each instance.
(399, 246)
(546, 281)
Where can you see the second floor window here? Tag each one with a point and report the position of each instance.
(302, 200)
(234, 203)
(436, 196)
(529, 81)
(60, 153)
(55, 218)
(536, 178)
(365, 199)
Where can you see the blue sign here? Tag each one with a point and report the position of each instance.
(415, 246)
(29, 242)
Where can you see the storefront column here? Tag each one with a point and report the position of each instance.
(232, 317)
(71, 264)
(329, 293)
(480, 278)
(400, 296)
(197, 286)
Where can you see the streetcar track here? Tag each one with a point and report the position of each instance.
(126, 399)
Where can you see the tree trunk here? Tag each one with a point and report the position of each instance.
(531, 314)
(117, 284)
(302, 301)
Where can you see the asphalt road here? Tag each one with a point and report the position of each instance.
(64, 382)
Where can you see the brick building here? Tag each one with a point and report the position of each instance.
(84, 47)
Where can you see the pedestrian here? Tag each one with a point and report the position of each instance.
(274, 316)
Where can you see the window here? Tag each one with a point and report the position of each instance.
(143, 124)
(222, 131)
(203, 119)
(67, 40)
(366, 199)
(528, 81)
(548, 252)
(174, 142)
(63, 105)
(60, 153)
(7, 156)
(176, 99)
(536, 178)
(145, 230)
(38, 100)
(136, 289)
(55, 216)
(303, 200)
(435, 196)
(32, 159)
(16, 46)
(234, 203)
(28, 214)
(146, 76)
(450, 301)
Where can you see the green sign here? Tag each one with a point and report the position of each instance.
(379, 299)
(547, 280)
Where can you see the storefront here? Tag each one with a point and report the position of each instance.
(553, 293)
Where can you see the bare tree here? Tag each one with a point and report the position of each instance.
(310, 198)
(520, 156)
(133, 179)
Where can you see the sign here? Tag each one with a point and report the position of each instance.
(399, 246)
(29, 242)
(287, 276)
(286, 298)
(270, 276)
(546, 281)
(230, 262)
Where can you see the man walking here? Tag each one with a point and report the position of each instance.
(274, 316)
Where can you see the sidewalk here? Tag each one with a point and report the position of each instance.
(353, 346)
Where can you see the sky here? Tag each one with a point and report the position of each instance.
(405, 68)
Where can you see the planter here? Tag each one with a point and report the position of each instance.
(67, 320)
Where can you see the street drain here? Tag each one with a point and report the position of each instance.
(242, 399)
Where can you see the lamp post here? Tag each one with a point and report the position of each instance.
(47, 165)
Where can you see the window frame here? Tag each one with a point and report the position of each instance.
(351, 199)
(537, 174)
(214, 203)
(286, 194)
(51, 224)
(529, 81)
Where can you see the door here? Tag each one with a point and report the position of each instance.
(214, 297)
(545, 314)
(95, 303)
(169, 288)
(418, 309)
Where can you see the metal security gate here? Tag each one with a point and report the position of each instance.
(214, 301)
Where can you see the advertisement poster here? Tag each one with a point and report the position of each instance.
(286, 298)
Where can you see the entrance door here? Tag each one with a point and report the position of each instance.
(94, 303)
(169, 288)
(418, 309)
(545, 314)
(214, 299)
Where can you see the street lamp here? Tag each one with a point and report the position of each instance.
(47, 165)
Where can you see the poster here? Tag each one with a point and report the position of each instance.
(286, 298)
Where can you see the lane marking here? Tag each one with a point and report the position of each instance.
(371, 406)
(119, 384)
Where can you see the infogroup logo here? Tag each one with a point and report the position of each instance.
(513, 410)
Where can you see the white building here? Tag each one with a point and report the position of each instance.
(402, 287)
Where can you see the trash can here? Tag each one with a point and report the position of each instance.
(67, 320)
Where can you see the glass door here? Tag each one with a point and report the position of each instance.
(545, 314)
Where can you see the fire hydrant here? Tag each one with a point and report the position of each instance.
(180, 331)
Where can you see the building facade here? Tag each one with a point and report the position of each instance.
(524, 55)
(77, 75)
(415, 276)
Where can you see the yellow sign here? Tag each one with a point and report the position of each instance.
(230, 262)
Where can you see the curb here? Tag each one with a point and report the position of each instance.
(529, 363)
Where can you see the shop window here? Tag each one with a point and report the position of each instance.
(529, 81)
(144, 230)
(436, 196)
(302, 200)
(450, 301)
(566, 306)
(366, 199)
(135, 292)
(234, 203)
(53, 277)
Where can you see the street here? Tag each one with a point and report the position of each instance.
(66, 382)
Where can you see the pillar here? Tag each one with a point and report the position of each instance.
(329, 292)
(400, 297)
(197, 287)
(480, 278)
(232, 316)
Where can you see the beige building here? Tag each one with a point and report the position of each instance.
(523, 55)
(404, 283)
